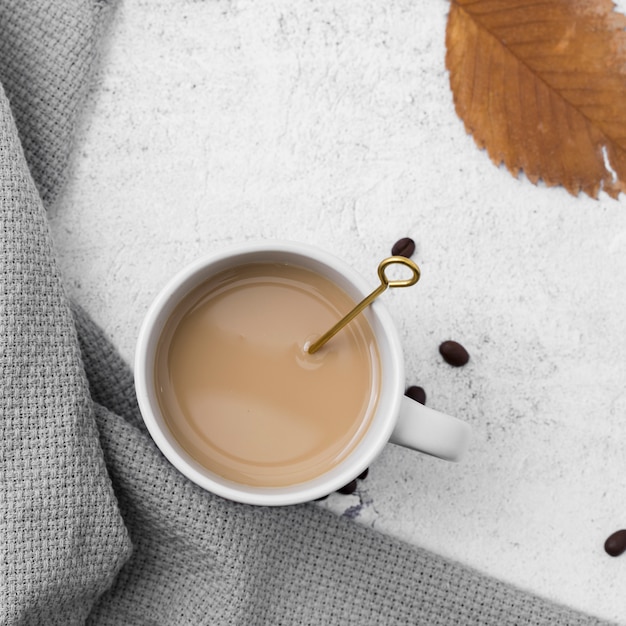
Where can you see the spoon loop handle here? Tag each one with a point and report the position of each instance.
(398, 260)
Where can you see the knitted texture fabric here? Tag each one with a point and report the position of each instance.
(47, 50)
(96, 526)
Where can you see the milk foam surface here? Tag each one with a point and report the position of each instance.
(239, 391)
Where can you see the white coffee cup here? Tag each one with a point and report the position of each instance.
(397, 419)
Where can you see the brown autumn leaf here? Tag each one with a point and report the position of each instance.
(541, 84)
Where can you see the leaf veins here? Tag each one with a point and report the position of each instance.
(542, 86)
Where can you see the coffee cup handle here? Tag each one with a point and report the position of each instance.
(422, 428)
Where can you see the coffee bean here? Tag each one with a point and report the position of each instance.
(403, 247)
(616, 543)
(349, 488)
(416, 393)
(454, 353)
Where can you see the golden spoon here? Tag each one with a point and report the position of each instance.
(384, 283)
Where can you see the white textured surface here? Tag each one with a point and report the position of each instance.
(332, 122)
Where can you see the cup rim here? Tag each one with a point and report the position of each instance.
(392, 382)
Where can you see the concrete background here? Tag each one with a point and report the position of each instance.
(332, 123)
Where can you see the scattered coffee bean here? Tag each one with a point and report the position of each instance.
(403, 247)
(349, 488)
(454, 353)
(616, 543)
(416, 393)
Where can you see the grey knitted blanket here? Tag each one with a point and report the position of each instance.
(95, 526)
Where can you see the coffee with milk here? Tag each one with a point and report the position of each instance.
(239, 391)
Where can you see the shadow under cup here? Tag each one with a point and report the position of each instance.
(358, 448)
